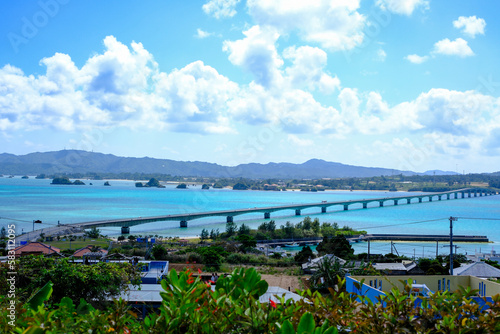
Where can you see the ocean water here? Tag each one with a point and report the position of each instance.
(25, 200)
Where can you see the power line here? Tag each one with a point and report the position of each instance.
(401, 224)
(478, 218)
(18, 220)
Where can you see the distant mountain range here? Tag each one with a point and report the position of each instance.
(74, 161)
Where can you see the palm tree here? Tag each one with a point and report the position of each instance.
(328, 271)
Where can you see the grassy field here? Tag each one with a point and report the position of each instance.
(77, 244)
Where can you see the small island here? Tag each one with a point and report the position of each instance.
(40, 176)
(205, 187)
(151, 183)
(25, 177)
(181, 186)
(66, 181)
(240, 186)
(107, 183)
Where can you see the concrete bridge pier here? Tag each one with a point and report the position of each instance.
(323, 209)
(475, 193)
(447, 196)
(430, 198)
(184, 223)
(439, 197)
(267, 215)
(297, 212)
(456, 195)
(470, 195)
(381, 203)
(395, 202)
(125, 230)
(408, 201)
(365, 205)
(346, 207)
(229, 219)
(420, 199)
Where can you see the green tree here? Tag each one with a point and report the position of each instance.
(271, 227)
(94, 283)
(93, 233)
(337, 245)
(307, 223)
(159, 252)
(244, 229)
(204, 234)
(247, 242)
(3, 233)
(214, 234)
(304, 255)
(315, 225)
(212, 256)
(230, 228)
(326, 275)
(262, 227)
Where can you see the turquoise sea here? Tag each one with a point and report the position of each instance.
(25, 200)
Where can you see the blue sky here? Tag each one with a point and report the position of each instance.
(403, 84)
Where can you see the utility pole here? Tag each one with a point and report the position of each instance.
(437, 246)
(368, 250)
(452, 219)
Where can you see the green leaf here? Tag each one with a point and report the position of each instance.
(68, 303)
(306, 324)
(84, 307)
(331, 330)
(34, 330)
(173, 278)
(261, 287)
(287, 328)
(40, 296)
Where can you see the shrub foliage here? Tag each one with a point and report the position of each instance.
(190, 306)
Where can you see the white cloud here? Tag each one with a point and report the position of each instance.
(293, 110)
(296, 141)
(454, 112)
(458, 47)
(335, 25)
(120, 87)
(381, 55)
(123, 87)
(307, 69)
(195, 95)
(471, 26)
(403, 7)
(220, 8)
(257, 54)
(416, 59)
(202, 34)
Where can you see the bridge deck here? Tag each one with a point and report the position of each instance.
(184, 217)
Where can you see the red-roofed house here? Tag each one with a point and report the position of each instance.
(82, 251)
(35, 248)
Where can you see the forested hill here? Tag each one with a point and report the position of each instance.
(73, 161)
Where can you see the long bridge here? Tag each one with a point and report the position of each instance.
(230, 214)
